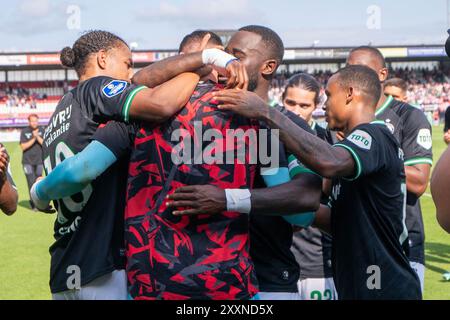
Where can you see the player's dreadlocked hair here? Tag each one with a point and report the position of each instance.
(198, 35)
(271, 39)
(362, 78)
(304, 81)
(90, 42)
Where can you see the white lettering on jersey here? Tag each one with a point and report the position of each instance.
(361, 138)
(424, 139)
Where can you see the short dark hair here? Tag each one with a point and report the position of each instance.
(363, 78)
(198, 35)
(374, 52)
(90, 42)
(33, 115)
(271, 39)
(304, 81)
(396, 82)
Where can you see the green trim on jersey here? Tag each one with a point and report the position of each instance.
(357, 160)
(418, 160)
(295, 167)
(129, 101)
(313, 125)
(378, 122)
(384, 106)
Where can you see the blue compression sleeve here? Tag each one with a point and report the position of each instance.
(280, 176)
(75, 173)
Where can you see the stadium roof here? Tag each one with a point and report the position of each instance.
(292, 55)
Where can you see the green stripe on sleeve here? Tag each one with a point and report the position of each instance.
(357, 160)
(129, 101)
(413, 161)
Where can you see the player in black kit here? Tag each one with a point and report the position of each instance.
(369, 191)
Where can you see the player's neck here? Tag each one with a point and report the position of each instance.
(381, 102)
(262, 90)
(360, 116)
(92, 74)
(87, 76)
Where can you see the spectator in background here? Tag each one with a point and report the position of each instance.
(397, 88)
(31, 143)
(8, 191)
(447, 126)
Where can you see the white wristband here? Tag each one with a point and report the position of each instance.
(40, 204)
(238, 200)
(217, 58)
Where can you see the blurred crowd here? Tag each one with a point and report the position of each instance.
(426, 88)
(20, 97)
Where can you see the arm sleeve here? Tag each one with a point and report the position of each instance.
(73, 174)
(112, 98)
(417, 139)
(282, 176)
(363, 147)
(108, 144)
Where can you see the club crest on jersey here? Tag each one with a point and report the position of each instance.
(361, 138)
(114, 88)
(424, 138)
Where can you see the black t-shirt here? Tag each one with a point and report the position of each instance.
(89, 226)
(368, 220)
(413, 132)
(310, 246)
(33, 155)
(271, 239)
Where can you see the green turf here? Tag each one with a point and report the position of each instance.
(26, 236)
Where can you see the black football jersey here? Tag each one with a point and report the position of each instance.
(413, 132)
(89, 225)
(368, 220)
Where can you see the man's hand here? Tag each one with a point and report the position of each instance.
(447, 137)
(4, 160)
(237, 76)
(197, 200)
(245, 103)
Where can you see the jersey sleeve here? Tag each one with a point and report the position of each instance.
(417, 139)
(112, 98)
(365, 150)
(117, 137)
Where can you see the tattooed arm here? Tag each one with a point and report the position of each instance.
(312, 151)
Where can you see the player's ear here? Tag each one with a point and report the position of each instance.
(269, 67)
(101, 59)
(349, 95)
(383, 74)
